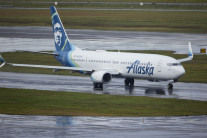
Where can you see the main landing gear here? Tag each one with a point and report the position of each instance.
(129, 81)
(98, 86)
(170, 86)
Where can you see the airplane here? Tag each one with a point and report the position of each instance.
(103, 65)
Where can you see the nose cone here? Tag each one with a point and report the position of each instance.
(180, 71)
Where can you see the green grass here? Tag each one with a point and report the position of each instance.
(36, 102)
(187, 22)
(196, 70)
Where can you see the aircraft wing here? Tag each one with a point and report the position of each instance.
(43, 66)
(111, 71)
(190, 55)
(50, 67)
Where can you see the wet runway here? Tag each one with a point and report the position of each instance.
(102, 127)
(41, 39)
(193, 91)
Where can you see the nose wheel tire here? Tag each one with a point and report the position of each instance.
(170, 86)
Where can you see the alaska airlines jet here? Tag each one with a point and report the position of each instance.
(102, 65)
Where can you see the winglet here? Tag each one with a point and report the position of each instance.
(2, 61)
(190, 53)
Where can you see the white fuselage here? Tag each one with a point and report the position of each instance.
(130, 65)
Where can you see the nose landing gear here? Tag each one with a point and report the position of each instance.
(170, 86)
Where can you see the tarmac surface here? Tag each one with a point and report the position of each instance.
(116, 87)
(102, 127)
(41, 39)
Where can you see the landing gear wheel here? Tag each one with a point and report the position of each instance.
(98, 85)
(170, 86)
(126, 81)
(132, 82)
(129, 81)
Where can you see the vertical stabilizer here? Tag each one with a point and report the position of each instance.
(62, 42)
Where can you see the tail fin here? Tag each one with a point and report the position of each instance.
(62, 42)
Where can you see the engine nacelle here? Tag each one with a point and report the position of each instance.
(101, 77)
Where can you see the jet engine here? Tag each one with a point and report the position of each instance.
(101, 77)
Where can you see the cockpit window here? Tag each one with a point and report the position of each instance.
(174, 64)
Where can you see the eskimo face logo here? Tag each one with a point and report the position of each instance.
(58, 34)
(139, 69)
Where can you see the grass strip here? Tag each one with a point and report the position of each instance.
(37, 102)
(102, 5)
(157, 21)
